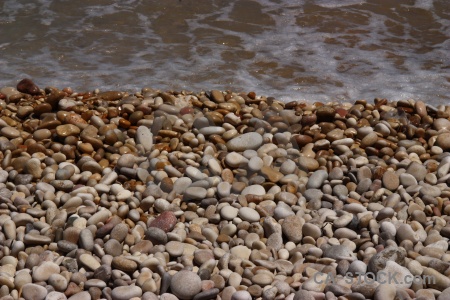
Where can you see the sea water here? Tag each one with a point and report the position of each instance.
(337, 50)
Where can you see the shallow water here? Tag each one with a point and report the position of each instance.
(292, 50)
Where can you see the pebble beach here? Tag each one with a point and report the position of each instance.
(221, 195)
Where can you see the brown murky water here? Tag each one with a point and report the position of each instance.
(293, 50)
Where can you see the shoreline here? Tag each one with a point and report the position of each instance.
(113, 195)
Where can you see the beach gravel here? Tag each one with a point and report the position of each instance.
(182, 195)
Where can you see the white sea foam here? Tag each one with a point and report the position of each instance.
(293, 50)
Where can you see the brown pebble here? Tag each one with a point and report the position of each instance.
(28, 87)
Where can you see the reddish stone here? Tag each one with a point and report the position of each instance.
(436, 211)
(72, 289)
(28, 87)
(108, 226)
(165, 221)
(252, 95)
(186, 110)
(342, 112)
(308, 120)
(299, 141)
(111, 95)
(42, 108)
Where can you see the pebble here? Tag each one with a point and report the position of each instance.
(194, 193)
(89, 261)
(175, 248)
(31, 291)
(45, 270)
(229, 212)
(316, 179)
(248, 214)
(144, 137)
(255, 189)
(311, 230)
(67, 130)
(417, 170)
(241, 295)
(443, 141)
(126, 292)
(390, 180)
(291, 228)
(241, 252)
(251, 140)
(166, 221)
(185, 284)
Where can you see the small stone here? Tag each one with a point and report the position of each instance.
(429, 190)
(421, 110)
(303, 295)
(194, 193)
(419, 171)
(28, 87)
(445, 294)
(166, 221)
(254, 190)
(126, 292)
(271, 174)
(241, 295)
(175, 248)
(229, 212)
(241, 252)
(308, 163)
(31, 291)
(385, 291)
(86, 240)
(124, 264)
(379, 260)
(58, 282)
(110, 95)
(397, 274)
(113, 247)
(56, 296)
(119, 232)
(126, 161)
(439, 281)
(292, 228)
(10, 132)
(390, 180)
(248, 214)
(311, 230)
(236, 160)
(144, 137)
(255, 163)
(185, 284)
(369, 140)
(407, 180)
(156, 235)
(89, 261)
(405, 232)
(316, 179)
(80, 295)
(338, 252)
(45, 270)
(250, 140)
(217, 96)
(67, 130)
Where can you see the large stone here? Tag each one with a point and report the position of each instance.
(185, 284)
(379, 260)
(246, 141)
(443, 141)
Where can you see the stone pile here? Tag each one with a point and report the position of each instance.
(176, 195)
